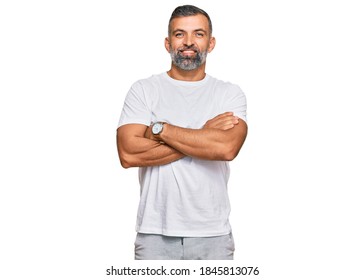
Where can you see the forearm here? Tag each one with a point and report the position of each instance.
(205, 143)
(138, 151)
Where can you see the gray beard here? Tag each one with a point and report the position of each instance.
(188, 63)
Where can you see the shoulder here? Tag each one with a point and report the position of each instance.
(149, 81)
(146, 89)
(225, 86)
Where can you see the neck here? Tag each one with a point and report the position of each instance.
(190, 76)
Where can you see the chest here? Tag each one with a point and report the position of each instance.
(189, 108)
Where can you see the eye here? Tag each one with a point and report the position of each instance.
(179, 35)
(200, 35)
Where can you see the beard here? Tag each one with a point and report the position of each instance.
(188, 62)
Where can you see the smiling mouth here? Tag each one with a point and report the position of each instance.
(188, 52)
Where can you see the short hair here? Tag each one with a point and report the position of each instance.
(188, 10)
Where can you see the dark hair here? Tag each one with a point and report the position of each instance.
(188, 10)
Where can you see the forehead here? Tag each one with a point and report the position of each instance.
(190, 23)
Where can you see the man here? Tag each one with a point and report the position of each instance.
(181, 128)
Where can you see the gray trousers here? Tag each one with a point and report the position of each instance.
(161, 247)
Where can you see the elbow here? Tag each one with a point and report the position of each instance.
(126, 157)
(125, 164)
(232, 148)
(125, 161)
(229, 155)
(225, 154)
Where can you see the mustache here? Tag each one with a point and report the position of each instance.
(188, 48)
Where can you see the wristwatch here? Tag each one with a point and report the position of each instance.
(157, 128)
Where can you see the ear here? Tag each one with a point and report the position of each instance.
(212, 44)
(167, 44)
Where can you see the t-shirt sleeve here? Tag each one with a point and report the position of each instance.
(235, 101)
(135, 109)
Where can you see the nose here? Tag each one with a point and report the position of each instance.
(188, 42)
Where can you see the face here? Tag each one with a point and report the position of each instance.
(189, 41)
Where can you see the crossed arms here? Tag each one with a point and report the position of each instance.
(219, 139)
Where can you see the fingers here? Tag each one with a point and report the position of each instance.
(148, 132)
(223, 115)
(223, 121)
(227, 123)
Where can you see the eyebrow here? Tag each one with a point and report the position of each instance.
(196, 30)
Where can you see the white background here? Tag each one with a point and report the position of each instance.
(67, 207)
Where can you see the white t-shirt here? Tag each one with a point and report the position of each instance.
(187, 197)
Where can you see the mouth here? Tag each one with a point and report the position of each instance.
(188, 52)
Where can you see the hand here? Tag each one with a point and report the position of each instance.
(223, 121)
(148, 133)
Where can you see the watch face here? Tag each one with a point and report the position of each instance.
(157, 128)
